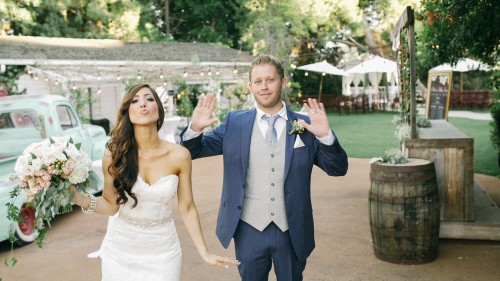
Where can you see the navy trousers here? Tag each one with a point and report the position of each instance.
(257, 250)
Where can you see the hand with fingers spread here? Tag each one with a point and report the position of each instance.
(202, 114)
(223, 262)
(319, 122)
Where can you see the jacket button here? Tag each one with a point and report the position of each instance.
(239, 207)
(272, 184)
(272, 199)
(272, 214)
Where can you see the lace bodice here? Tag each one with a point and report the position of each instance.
(154, 201)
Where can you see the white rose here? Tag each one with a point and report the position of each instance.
(22, 164)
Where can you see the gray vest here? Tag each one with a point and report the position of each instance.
(264, 200)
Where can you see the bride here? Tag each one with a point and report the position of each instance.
(142, 176)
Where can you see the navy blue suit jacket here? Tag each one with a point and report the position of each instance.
(232, 139)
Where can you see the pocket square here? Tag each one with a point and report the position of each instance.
(298, 142)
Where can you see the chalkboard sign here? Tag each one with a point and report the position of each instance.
(438, 94)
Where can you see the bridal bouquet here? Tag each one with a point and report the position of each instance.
(45, 172)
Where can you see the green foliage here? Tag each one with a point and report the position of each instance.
(394, 156)
(212, 21)
(187, 97)
(423, 122)
(9, 78)
(495, 124)
(81, 101)
(453, 29)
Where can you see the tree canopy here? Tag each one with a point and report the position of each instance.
(296, 31)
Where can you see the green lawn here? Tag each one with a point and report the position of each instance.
(371, 134)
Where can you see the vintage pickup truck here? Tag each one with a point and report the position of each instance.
(25, 119)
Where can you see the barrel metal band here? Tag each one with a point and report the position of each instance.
(413, 178)
(403, 200)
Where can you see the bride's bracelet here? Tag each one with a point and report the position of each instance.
(93, 204)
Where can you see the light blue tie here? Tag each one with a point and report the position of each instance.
(271, 135)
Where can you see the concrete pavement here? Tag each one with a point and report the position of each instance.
(344, 249)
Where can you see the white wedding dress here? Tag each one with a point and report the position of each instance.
(141, 243)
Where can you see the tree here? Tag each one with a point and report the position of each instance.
(212, 21)
(453, 29)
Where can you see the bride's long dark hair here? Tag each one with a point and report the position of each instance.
(124, 167)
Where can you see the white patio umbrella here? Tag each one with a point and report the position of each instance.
(463, 65)
(376, 64)
(375, 67)
(324, 68)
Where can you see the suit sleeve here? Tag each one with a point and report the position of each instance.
(209, 144)
(331, 158)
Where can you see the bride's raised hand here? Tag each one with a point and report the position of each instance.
(219, 261)
(202, 114)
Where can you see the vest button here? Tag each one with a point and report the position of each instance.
(272, 199)
(272, 155)
(272, 184)
(272, 169)
(239, 207)
(272, 214)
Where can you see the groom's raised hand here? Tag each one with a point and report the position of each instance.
(202, 114)
(319, 122)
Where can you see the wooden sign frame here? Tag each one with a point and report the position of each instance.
(438, 94)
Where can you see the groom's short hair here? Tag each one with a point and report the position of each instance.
(267, 59)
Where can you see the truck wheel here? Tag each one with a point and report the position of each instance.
(25, 229)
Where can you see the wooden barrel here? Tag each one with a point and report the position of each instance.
(404, 211)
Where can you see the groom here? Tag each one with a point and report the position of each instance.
(266, 199)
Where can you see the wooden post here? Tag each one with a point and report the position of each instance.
(89, 90)
(413, 76)
(407, 20)
(320, 88)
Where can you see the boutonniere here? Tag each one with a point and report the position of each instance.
(296, 128)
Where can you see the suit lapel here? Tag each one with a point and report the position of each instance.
(290, 140)
(246, 137)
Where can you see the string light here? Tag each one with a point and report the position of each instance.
(56, 82)
(217, 72)
(209, 72)
(306, 74)
(185, 74)
(99, 90)
(139, 75)
(165, 83)
(99, 75)
(235, 71)
(74, 86)
(36, 77)
(161, 74)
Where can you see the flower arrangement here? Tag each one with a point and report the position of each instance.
(296, 128)
(45, 171)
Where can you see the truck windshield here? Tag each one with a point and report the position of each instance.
(18, 129)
